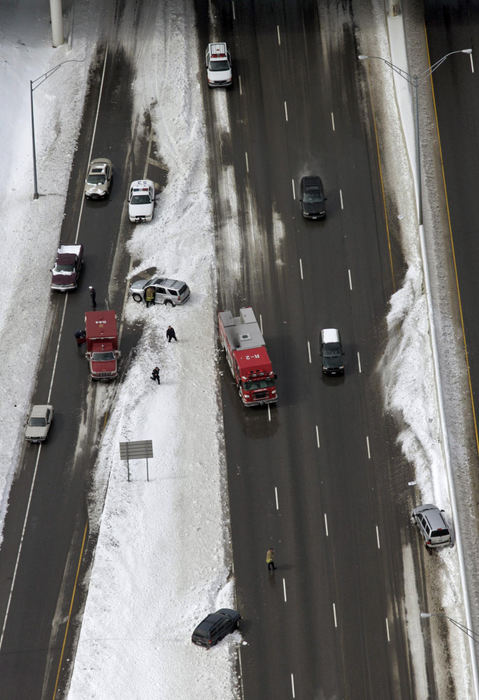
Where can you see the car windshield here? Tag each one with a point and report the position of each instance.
(219, 65)
(103, 356)
(96, 179)
(37, 422)
(141, 199)
(259, 384)
(332, 350)
(64, 268)
(312, 195)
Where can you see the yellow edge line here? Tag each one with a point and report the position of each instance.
(70, 610)
(453, 253)
(382, 184)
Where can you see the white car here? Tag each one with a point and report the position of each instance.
(141, 201)
(39, 422)
(218, 65)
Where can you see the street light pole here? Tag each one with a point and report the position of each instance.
(33, 86)
(460, 625)
(414, 81)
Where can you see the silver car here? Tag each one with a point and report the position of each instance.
(432, 526)
(166, 291)
(98, 181)
(39, 422)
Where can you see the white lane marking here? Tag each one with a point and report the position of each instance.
(326, 525)
(247, 162)
(233, 8)
(359, 362)
(92, 140)
(293, 694)
(367, 447)
(387, 630)
(317, 437)
(301, 268)
(269, 413)
(472, 63)
(334, 614)
(341, 198)
(284, 591)
(261, 323)
(276, 497)
(377, 537)
(294, 190)
(278, 35)
(240, 85)
(350, 280)
(286, 110)
(332, 121)
(309, 352)
(14, 577)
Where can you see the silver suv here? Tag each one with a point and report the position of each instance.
(432, 526)
(166, 291)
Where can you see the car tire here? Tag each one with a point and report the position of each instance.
(137, 297)
(168, 302)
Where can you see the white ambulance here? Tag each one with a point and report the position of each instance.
(218, 65)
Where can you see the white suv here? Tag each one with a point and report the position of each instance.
(218, 65)
(141, 201)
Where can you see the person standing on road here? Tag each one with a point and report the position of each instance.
(155, 374)
(170, 334)
(92, 296)
(149, 296)
(270, 559)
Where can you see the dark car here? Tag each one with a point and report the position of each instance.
(313, 201)
(332, 356)
(67, 268)
(215, 626)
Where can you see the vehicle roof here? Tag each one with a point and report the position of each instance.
(71, 249)
(40, 409)
(66, 258)
(242, 331)
(311, 181)
(100, 324)
(100, 161)
(330, 335)
(218, 50)
(141, 184)
(165, 282)
(432, 512)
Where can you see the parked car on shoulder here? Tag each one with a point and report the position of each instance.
(218, 65)
(67, 268)
(432, 526)
(141, 201)
(166, 291)
(215, 627)
(332, 356)
(312, 199)
(98, 180)
(39, 422)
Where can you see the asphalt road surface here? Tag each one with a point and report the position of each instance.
(49, 495)
(318, 477)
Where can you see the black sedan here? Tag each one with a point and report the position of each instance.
(313, 201)
(215, 626)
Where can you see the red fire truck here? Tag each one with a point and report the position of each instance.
(102, 344)
(247, 357)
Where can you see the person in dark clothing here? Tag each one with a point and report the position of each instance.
(155, 374)
(270, 559)
(92, 296)
(80, 337)
(170, 334)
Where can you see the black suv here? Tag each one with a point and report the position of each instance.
(216, 626)
(332, 361)
(313, 201)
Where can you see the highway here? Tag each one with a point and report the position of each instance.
(318, 477)
(47, 531)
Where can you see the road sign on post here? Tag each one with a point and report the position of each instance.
(139, 449)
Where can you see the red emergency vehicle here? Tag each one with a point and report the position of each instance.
(247, 357)
(102, 344)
